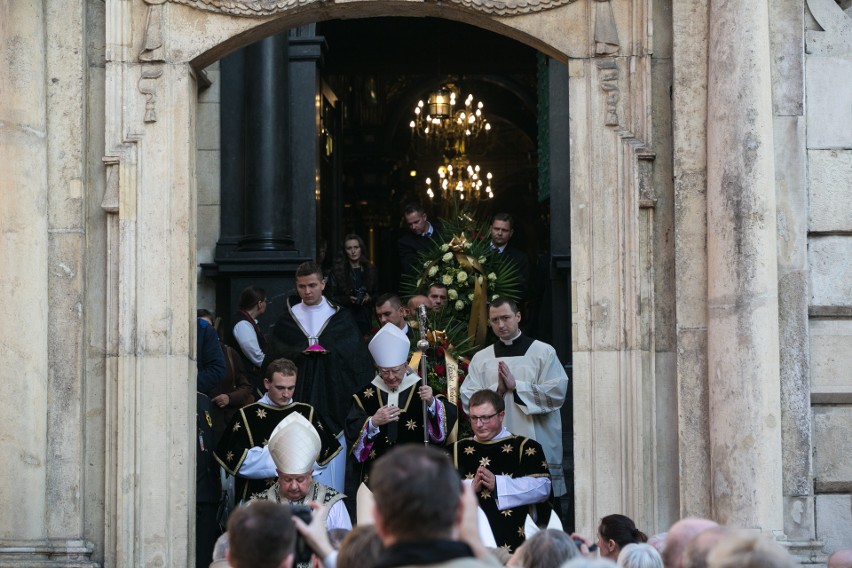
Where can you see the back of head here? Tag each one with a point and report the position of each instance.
(261, 535)
(841, 558)
(697, 549)
(589, 562)
(417, 493)
(250, 296)
(743, 550)
(361, 547)
(679, 536)
(622, 530)
(549, 548)
(640, 555)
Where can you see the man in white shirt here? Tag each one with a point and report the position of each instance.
(246, 336)
(508, 473)
(325, 343)
(529, 377)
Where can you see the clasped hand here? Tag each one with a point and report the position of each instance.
(505, 379)
(484, 479)
(384, 415)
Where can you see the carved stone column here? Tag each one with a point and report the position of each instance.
(743, 348)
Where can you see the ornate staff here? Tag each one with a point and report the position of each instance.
(423, 345)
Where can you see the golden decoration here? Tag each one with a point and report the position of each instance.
(506, 513)
(485, 462)
(486, 494)
(369, 393)
(530, 451)
(469, 450)
(236, 426)
(507, 448)
(261, 413)
(229, 456)
(411, 425)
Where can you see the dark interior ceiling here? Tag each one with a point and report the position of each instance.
(380, 67)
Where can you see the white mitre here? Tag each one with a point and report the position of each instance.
(389, 347)
(294, 445)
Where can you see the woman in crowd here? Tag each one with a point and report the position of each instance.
(353, 281)
(615, 532)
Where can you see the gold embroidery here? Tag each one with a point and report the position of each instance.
(507, 448)
(486, 494)
(506, 513)
(468, 450)
(485, 462)
(261, 413)
(369, 393)
(411, 424)
(236, 426)
(229, 456)
(530, 451)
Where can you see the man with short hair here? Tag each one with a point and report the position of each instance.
(502, 229)
(326, 344)
(261, 536)
(438, 296)
(508, 472)
(389, 410)
(418, 509)
(421, 235)
(527, 374)
(247, 338)
(697, 549)
(243, 449)
(294, 446)
(389, 309)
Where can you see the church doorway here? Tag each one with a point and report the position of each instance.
(370, 74)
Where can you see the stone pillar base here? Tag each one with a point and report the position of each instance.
(807, 552)
(45, 553)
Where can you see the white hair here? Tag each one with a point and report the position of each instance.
(639, 555)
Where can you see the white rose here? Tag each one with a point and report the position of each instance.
(494, 297)
(467, 245)
(459, 306)
(492, 276)
(481, 260)
(461, 276)
(447, 257)
(452, 294)
(470, 296)
(433, 271)
(447, 279)
(445, 247)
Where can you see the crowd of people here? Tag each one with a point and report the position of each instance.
(322, 426)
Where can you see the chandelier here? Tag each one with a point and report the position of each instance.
(459, 179)
(445, 122)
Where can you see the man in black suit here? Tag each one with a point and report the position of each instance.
(420, 236)
(502, 229)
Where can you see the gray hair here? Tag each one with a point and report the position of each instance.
(639, 555)
(549, 548)
(586, 562)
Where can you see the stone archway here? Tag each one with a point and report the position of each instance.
(153, 50)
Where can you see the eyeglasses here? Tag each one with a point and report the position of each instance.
(389, 372)
(482, 419)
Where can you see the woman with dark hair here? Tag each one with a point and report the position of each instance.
(615, 532)
(353, 281)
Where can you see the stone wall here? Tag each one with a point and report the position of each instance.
(828, 84)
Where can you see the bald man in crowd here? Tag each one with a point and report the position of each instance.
(679, 536)
(841, 559)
